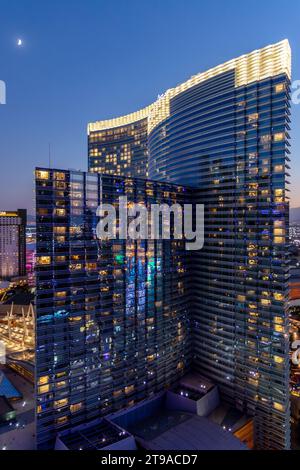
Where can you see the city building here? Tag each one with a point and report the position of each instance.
(30, 250)
(112, 319)
(225, 132)
(30, 266)
(119, 151)
(163, 422)
(13, 244)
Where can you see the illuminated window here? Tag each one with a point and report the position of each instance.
(129, 389)
(58, 175)
(44, 388)
(278, 406)
(60, 294)
(43, 380)
(60, 374)
(61, 420)
(279, 87)
(91, 266)
(75, 407)
(42, 175)
(279, 328)
(75, 267)
(42, 211)
(278, 359)
(60, 212)
(279, 136)
(278, 223)
(60, 259)
(278, 168)
(252, 156)
(278, 296)
(61, 384)
(60, 403)
(43, 260)
(241, 134)
(253, 117)
(60, 230)
(265, 138)
(265, 302)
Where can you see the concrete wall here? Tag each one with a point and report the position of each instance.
(126, 444)
(202, 407)
(181, 403)
(208, 403)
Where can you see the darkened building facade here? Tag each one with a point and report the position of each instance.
(13, 243)
(112, 316)
(226, 133)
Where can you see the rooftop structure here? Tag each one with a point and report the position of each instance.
(158, 423)
(270, 61)
(102, 435)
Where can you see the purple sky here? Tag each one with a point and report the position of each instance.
(94, 59)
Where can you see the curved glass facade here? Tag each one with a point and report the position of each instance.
(225, 132)
(232, 145)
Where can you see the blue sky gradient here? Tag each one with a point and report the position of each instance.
(84, 60)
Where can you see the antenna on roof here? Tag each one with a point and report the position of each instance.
(49, 154)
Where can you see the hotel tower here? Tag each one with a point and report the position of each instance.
(224, 134)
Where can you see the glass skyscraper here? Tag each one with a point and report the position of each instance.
(225, 132)
(113, 325)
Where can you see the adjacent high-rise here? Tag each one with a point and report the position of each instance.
(226, 133)
(13, 243)
(113, 325)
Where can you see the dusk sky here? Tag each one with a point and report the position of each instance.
(83, 60)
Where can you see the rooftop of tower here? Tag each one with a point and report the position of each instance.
(269, 61)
